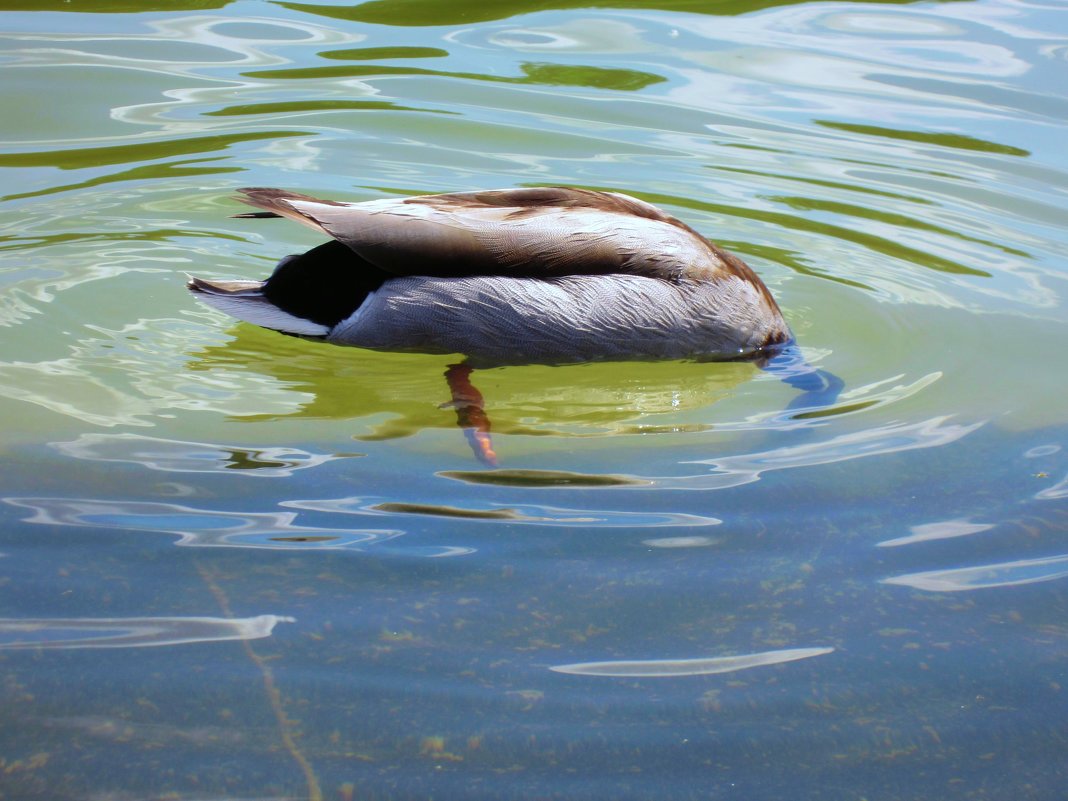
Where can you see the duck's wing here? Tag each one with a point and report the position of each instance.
(539, 232)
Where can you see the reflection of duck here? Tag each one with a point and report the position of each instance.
(397, 395)
(544, 275)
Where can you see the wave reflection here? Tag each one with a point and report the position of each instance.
(176, 456)
(200, 528)
(745, 468)
(1056, 492)
(130, 374)
(942, 530)
(667, 668)
(530, 514)
(1001, 574)
(131, 632)
(733, 471)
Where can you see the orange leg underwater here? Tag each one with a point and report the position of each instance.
(471, 413)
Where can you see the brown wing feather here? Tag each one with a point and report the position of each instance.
(277, 199)
(277, 203)
(533, 199)
(538, 232)
(528, 201)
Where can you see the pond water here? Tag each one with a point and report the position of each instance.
(241, 565)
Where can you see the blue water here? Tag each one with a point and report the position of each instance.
(239, 565)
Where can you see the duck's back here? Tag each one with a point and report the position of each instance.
(540, 232)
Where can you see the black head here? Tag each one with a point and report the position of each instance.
(325, 285)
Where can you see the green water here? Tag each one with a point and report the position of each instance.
(241, 565)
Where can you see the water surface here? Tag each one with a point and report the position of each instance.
(240, 565)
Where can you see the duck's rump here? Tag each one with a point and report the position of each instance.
(500, 319)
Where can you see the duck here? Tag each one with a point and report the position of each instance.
(547, 275)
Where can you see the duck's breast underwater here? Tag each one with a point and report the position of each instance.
(566, 319)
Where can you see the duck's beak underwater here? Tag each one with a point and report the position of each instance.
(513, 276)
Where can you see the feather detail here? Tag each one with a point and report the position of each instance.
(279, 203)
(245, 301)
(539, 232)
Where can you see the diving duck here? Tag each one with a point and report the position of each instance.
(547, 275)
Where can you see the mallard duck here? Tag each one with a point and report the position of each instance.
(507, 276)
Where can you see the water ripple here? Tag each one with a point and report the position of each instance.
(940, 530)
(192, 457)
(745, 468)
(979, 577)
(733, 471)
(131, 375)
(200, 528)
(131, 632)
(668, 668)
(512, 513)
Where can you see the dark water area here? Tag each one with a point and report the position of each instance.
(239, 565)
(584, 641)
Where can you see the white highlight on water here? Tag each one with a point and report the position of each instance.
(664, 668)
(131, 632)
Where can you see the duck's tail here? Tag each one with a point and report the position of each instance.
(818, 387)
(245, 301)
